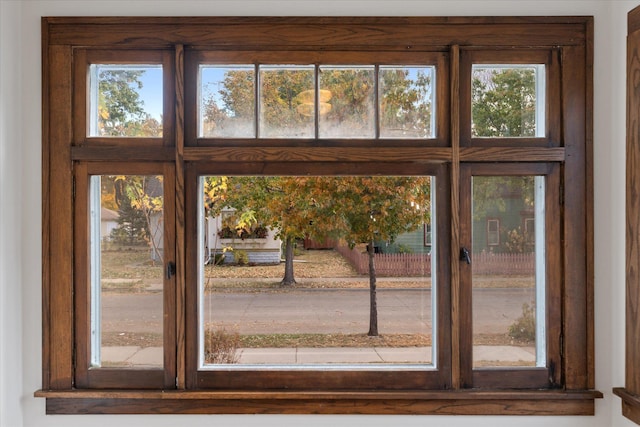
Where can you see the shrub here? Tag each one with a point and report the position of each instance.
(524, 328)
(241, 257)
(221, 346)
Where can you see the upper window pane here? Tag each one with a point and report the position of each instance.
(508, 101)
(125, 100)
(346, 108)
(407, 100)
(227, 101)
(287, 101)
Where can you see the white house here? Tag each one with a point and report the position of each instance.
(21, 200)
(261, 248)
(108, 222)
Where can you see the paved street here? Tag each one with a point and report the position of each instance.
(316, 310)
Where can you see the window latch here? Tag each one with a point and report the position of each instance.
(465, 256)
(171, 269)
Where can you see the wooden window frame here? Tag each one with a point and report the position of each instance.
(630, 393)
(69, 44)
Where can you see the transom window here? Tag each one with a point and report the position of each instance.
(344, 215)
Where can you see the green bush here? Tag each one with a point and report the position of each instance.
(221, 346)
(241, 257)
(524, 328)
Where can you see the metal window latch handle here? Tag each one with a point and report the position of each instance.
(171, 269)
(465, 256)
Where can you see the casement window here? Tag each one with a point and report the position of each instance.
(188, 159)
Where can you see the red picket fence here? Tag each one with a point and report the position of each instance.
(505, 264)
(388, 265)
(408, 265)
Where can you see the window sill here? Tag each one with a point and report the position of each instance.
(508, 402)
(630, 404)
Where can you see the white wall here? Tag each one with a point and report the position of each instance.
(11, 379)
(20, 195)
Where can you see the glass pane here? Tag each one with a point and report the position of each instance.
(347, 102)
(508, 271)
(125, 100)
(227, 101)
(126, 271)
(287, 102)
(284, 272)
(407, 100)
(508, 101)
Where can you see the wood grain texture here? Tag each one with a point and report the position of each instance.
(170, 294)
(58, 309)
(46, 216)
(410, 403)
(510, 154)
(180, 220)
(577, 346)
(456, 372)
(631, 392)
(630, 404)
(123, 153)
(590, 205)
(181, 44)
(318, 154)
(317, 32)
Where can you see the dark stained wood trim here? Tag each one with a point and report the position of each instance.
(182, 156)
(508, 154)
(632, 376)
(590, 207)
(122, 154)
(465, 305)
(46, 201)
(180, 220)
(319, 154)
(410, 402)
(630, 404)
(456, 326)
(313, 32)
(576, 310)
(631, 391)
(58, 309)
(633, 21)
(169, 289)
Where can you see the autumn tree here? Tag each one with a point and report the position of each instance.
(140, 204)
(405, 107)
(295, 207)
(370, 209)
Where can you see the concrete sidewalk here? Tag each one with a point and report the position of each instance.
(487, 355)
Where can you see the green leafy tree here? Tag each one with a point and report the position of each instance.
(132, 226)
(504, 103)
(120, 109)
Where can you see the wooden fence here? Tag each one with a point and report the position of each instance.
(408, 265)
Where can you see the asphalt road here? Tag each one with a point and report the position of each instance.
(316, 311)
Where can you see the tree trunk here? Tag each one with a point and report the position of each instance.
(288, 279)
(373, 303)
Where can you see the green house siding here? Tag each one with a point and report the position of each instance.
(412, 242)
(512, 218)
